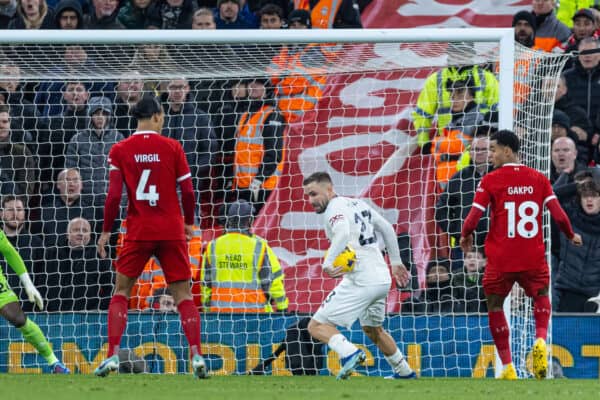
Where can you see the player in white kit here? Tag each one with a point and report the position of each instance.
(361, 293)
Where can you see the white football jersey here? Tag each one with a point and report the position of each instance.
(362, 221)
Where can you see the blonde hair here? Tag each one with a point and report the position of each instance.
(36, 23)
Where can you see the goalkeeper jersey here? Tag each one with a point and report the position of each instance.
(11, 255)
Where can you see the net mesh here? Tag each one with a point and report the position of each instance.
(348, 109)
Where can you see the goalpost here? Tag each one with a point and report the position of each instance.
(359, 130)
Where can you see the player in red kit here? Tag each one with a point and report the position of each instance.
(514, 245)
(151, 166)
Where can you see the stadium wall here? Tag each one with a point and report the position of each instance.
(435, 345)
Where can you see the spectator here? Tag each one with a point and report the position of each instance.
(240, 272)
(455, 202)
(259, 151)
(129, 91)
(466, 117)
(63, 127)
(32, 14)
(298, 72)
(75, 61)
(204, 19)
(584, 25)
(561, 127)
(435, 101)
(468, 283)
(171, 14)
(68, 15)
(438, 295)
(88, 149)
(103, 15)
(579, 269)
(271, 17)
(16, 228)
(193, 129)
(76, 279)
(17, 165)
(24, 119)
(8, 9)
(525, 26)
(152, 59)
(162, 300)
(550, 31)
(580, 123)
(227, 15)
(63, 204)
(582, 79)
(153, 279)
(567, 9)
(564, 159)
(327, 14)
(134, 14)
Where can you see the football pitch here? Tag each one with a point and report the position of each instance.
(166, 387)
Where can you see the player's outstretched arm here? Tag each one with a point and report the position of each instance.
(340, 238)
(17, 264)
(111, 209)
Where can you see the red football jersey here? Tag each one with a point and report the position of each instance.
(151, 165)
(517, 195)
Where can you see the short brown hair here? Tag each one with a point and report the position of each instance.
(12, 197)
(4, 108)
(317, 177)
(590, 187)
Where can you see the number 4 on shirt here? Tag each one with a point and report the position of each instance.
(151, 195)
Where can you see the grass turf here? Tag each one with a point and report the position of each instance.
(165, 387)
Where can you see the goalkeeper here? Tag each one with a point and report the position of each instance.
(11, 310)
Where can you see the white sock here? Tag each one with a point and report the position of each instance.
(341, 345)
(398, 363)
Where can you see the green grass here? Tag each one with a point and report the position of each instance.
(178, 387)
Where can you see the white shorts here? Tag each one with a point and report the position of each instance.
(347, 302)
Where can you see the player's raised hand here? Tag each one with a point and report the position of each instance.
(101, 245)
(466, 243)
(401, 274)
(576, 240)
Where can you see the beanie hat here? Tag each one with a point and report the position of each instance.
(525, 16)
(562, 119)
(301, 16)
(238, 2)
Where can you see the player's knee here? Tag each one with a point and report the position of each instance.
(18, 320)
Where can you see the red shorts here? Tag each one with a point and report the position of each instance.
(501, 283)
(172, 255)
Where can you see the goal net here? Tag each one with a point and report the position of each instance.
(353, 104)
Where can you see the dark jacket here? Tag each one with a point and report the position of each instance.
(469, 291)
(193, 129)
(92, 22)
(18, 23)
(584, 88)
(125, 123)
(132, 17)
(454, 205)
(18, 172)
(579, 267)
(576, 113)
(73, 5)
(56, 215)
(162, 16)
(76, 279)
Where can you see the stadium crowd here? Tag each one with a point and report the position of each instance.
(55, 137)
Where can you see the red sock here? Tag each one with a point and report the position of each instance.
(117, 321)
(501, 334)
(190, 321)
(541, 313)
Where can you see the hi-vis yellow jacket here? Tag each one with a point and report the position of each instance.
(240, 273)
(434, 99)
